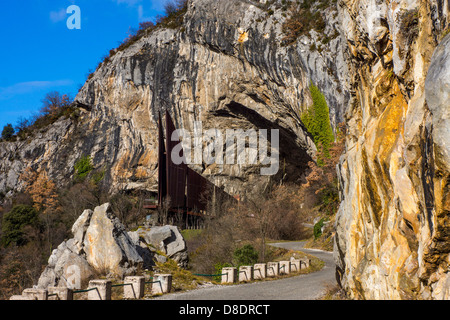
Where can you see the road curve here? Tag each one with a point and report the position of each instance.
(303, 287)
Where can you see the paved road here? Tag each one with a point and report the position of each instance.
(303, 287)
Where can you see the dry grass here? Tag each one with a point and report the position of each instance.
(334, 292)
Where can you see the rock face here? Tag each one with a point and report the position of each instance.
(102, 246)
(437, 92)
(392, 229)
(226, 66)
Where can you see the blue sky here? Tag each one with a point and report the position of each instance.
(39, 54)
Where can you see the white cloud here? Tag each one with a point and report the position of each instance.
(158, 4)
(56, 16)
(141, 16)
(144, 4)
(149, 7)
(31, 86)
(128, 2)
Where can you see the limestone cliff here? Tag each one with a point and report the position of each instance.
(392, 227)
(225, 66)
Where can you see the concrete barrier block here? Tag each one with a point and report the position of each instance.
(60, 293)
(134, 287)
(162, 283)
(295, 266)
(35, 294)
(245, 273)
(305, 263)
(260, 271)
(229, 275)
(285, 267)
(101, 290)
(17, 297)
(273, 269)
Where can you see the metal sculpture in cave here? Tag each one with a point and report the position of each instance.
(181, 189)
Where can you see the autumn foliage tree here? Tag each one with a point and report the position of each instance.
(43, 193)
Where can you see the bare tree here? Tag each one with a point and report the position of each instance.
(163, 210)
(54, 101)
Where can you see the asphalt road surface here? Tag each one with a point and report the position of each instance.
(303, 287)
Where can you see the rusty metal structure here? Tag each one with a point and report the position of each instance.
(181, 190)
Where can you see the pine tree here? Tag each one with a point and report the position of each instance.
(317, 121)
(8, 132)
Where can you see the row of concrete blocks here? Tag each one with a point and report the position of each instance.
(133, 288)
(263, 270)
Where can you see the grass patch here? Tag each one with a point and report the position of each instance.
(182, 280)
(189, 234)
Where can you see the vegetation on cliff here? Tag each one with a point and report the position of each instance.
(317, 121)
(173, 19)
(54, 106)
(7, 132)
(305, 16)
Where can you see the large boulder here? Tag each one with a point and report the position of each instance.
(107, 246)
(165, 239)
(100, 245)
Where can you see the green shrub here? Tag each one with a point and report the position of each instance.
(218, 267)
(246, 255)
(318, 229)
(317, 121)
(329, 198)
(14, 223)
(98, 176)
(83, 167)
